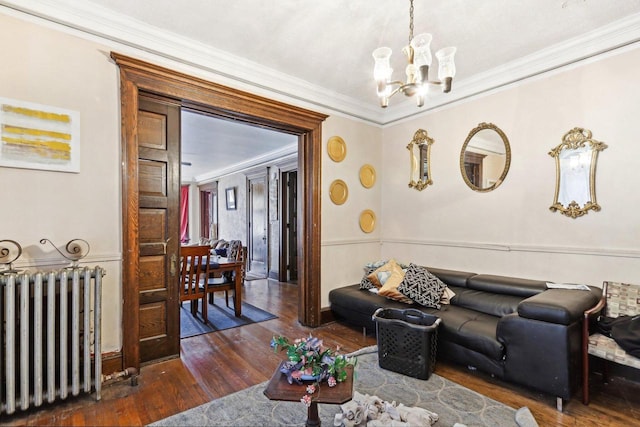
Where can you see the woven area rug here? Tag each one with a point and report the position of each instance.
(220, 317)
(452, 402)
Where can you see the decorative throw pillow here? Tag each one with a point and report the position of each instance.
(365, 283)
(422, 286)
(379, 276)
(447, 296)
(390, 287)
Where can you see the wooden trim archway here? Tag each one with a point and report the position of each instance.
(222, 101)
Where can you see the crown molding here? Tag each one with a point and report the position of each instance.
(286, 153)
(112, 27)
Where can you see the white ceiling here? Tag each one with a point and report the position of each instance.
(319, 52)
(214, 147)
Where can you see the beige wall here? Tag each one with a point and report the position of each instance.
(511, 230)
(51, 68)
(345, 247)
(508, 231)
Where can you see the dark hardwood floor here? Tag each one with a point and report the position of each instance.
(219, 363)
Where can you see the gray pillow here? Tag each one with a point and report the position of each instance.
(422, 286)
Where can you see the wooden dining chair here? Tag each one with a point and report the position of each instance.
(194, 274)
(225, 282)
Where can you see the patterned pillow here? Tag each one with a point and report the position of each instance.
(422, 286)
(365, 283)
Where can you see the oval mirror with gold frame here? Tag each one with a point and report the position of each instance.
(420, 160)
(576, 159)
(485, 157)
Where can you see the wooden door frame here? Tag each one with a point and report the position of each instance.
(224, 102)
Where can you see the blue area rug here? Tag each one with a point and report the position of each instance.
(220, 317)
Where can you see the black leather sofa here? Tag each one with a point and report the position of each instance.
(515, 329)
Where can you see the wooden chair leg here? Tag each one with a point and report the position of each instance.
(226, 297)
(205, 318)
(194, 308)
(585, 380)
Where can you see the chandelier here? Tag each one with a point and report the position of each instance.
(419, 58)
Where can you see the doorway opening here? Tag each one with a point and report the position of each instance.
(137, 77)
(219, 158)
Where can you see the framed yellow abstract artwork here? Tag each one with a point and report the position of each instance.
(35, 136)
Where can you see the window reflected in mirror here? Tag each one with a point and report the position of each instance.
(576, 159)
(485, 157)
(420, 160)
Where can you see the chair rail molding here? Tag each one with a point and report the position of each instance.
(506, 247)
(348, 242)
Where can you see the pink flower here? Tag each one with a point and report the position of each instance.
(306, 399)
(332, 382)
(311, 389)
(296, 374)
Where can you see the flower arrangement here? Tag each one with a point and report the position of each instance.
(308, 359)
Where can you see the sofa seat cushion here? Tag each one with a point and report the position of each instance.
(357, 305)
(471, 329)
(485, 302)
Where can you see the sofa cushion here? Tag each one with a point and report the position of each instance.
(563, 306)
(357, 306)
(471, 329)
(485, 302)
(422, 286)
(451, 277)
(506, 285)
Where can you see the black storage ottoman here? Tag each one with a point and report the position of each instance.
(407, 341)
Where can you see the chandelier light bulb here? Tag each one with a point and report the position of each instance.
(382, 69)
(421, 45)
(447, 68)
(419, 60)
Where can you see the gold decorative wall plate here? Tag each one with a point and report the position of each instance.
(367, 221)
(367, 176)
(337, 149)
(338, 192)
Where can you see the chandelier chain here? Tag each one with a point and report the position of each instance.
(411, 21)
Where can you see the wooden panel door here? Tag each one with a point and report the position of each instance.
(159, 228)
(290, 215)
(258, 226)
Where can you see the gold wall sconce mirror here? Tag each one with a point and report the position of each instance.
(420, 160)
(485, 157)
(576, 159)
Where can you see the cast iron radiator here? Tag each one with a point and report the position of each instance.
(50, 334)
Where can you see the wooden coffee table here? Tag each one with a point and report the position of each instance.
(279, 388)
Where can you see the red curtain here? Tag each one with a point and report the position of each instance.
(184, 214)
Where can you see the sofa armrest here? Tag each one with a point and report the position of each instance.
(561, 306)
(542, 355)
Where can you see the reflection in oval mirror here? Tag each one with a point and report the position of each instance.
(420, 160)
(485, 157)
(576, 159)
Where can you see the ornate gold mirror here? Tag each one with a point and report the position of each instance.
(576, 159)
(420, 160)
(485, 157)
